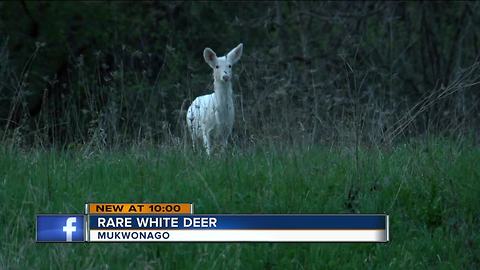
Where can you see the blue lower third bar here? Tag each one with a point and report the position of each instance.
(239, 222)
(238, 228)
(60, 228)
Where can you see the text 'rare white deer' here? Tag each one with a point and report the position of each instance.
(210, 117)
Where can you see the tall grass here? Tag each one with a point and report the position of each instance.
(429, 188)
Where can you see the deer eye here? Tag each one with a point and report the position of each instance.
(216, 66)
(230, 66)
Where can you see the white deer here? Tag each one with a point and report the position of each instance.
(210, 117)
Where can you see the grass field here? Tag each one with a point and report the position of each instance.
(430, 189)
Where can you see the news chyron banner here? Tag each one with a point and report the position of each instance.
(170, 222)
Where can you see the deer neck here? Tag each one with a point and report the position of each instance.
(223, 94)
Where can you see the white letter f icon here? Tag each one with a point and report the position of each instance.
(69, 228)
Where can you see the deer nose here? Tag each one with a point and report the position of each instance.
(226, 77)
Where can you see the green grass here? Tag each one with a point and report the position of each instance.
(430, 190)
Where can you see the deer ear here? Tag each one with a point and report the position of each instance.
(235, 54)
(210, 57)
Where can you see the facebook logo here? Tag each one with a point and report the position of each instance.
(60, 228)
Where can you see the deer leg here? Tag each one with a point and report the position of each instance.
(206, 142)
(224, 144)
(193, 143)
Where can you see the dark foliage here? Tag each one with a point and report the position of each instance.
(112, 73)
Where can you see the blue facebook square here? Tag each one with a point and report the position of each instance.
(60, 228)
